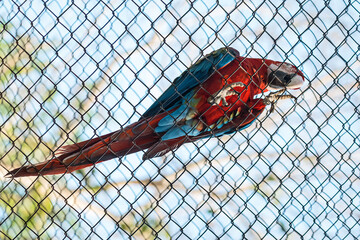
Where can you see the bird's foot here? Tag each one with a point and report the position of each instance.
(273, 97)
(228, 90)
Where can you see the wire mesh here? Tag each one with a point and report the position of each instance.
(74, 70)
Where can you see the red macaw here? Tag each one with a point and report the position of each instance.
(215, 96)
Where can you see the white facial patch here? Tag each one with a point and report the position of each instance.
(284, 67)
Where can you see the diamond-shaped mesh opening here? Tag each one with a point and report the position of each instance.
(72, 71)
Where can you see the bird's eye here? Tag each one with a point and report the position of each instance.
(288, 78)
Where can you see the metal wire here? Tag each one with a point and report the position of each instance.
(74, 70)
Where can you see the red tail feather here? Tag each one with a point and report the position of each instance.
(136, 137)
(53, 166)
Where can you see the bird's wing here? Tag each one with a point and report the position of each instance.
(175, 136)
(188, 80)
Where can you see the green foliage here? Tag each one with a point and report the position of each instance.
(26, 209)
(149, 227)
(29, 109)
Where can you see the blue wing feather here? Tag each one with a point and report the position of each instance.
(191, 78)
(172, 118)
(179, 131)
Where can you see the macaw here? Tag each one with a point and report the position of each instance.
(215, 96)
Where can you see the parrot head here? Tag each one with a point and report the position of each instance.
(283, 75)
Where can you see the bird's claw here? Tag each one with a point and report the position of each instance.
(220, 96)
(272, 99)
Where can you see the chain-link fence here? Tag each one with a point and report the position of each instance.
(71, 71)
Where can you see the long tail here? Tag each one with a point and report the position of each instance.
(136, 137)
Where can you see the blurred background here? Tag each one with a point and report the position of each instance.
(73, 70)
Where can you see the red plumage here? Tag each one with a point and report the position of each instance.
(186, 112)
